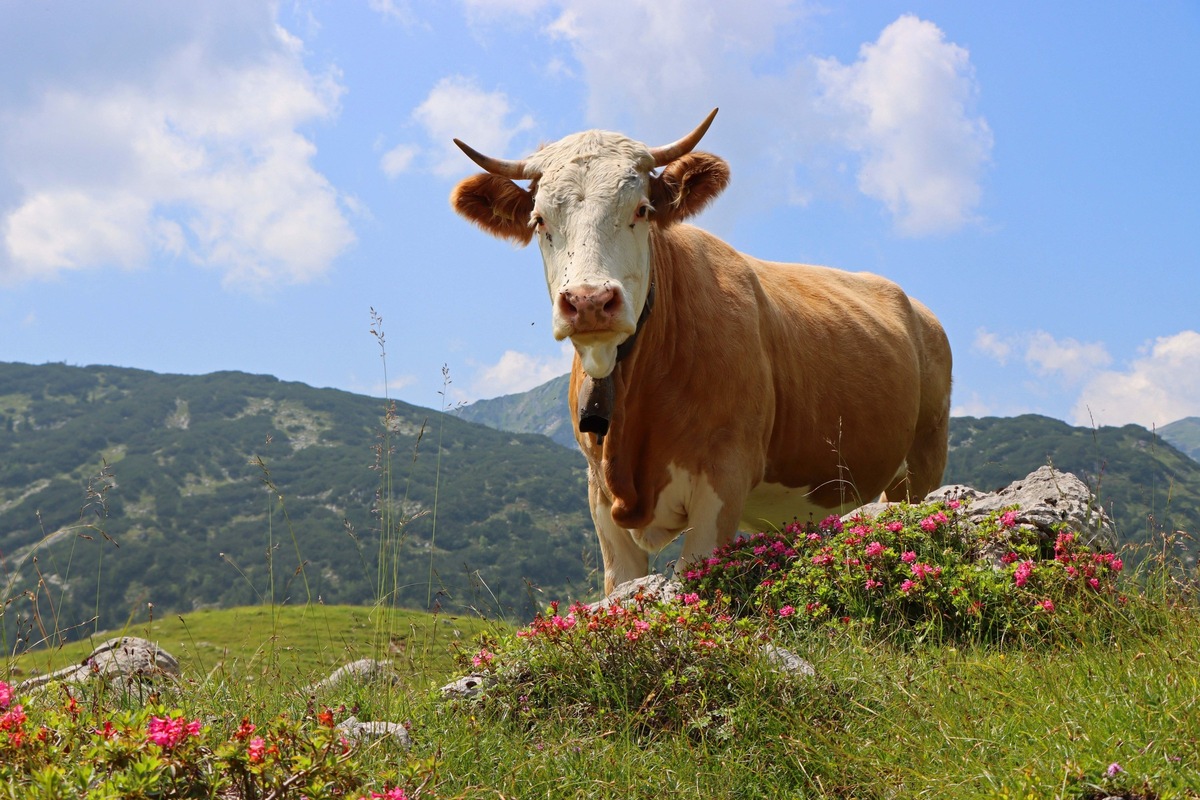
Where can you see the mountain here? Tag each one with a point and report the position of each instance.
(121, 488)
(1185, 435)
(540, 410)
(1142, 479)
(1146, 484)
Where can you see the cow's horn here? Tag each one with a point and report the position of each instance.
(669, 152)
(516, 170)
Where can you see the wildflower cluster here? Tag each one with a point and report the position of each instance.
(669, 664)
(919, 570)
(72, 749)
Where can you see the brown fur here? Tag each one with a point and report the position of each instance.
(747, 374)
(495, 204)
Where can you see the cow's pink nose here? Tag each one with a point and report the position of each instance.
(590, 308)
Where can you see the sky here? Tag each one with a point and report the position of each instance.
(241, 185)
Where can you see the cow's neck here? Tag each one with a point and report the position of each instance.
(598, 395)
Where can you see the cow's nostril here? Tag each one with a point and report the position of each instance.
(566, 305)
(613, 305)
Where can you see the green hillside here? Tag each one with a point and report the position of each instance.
(1145, 483)
(1142, 479)
(540, 410)
(1185, 435)
(231, 489)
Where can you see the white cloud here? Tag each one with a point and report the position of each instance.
(906, 108)
(397, 160)
(1156, 389)
(788, 119)
(395, 10)
(1069, 359)
(195, 154)
(519, 372)
(457, 108)
(992, 345)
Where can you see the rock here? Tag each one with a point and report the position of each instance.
(467, 686)
(787, 661)
(365, 732)
(658, 587)
(362, 671)
(1047, 498)
(1044, 499)
(125, 657)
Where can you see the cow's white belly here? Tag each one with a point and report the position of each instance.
(770, 506)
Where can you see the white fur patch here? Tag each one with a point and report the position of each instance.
(687, 502)
(773, 505)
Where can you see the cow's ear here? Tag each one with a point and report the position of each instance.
(495, 204)
(687, 185)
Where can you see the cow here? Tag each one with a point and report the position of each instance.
(712, 391)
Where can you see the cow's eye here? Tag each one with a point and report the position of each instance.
(539, 221)
(643, 211)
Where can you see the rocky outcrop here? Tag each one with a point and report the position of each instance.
(125, 658)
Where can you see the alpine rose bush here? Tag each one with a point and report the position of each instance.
(916, 571)
(672, 664)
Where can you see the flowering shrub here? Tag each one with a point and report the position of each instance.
(916, 570)
(72, 750)
(673, 665)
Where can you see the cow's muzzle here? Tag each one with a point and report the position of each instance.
(590, 309)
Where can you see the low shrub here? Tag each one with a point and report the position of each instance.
(917, 573)
(679, 664)
(71, 748)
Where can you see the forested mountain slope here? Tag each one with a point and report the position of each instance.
(218, 487)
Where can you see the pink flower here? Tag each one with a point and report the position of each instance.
(1116, 565)
(1022, 572)
(167, 732)
(954, 505)
(921, 570)
(895, 527)
(908, 556)
(874, 550)
(690, 599)
(1113, 769)
(256, 749)
(1094, 583)
(832, 523)
(931, 523)
(787, 611)
(1008, 519)
(12, 719)
(872, 584)
(483, 658)
(6, 695)
(907, 586)
(1047, 605)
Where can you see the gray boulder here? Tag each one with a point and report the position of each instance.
(126, 658)
(1047, 498)
(356, 730)
(362, 671)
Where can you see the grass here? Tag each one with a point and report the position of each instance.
(291, 644)
(1095, 695)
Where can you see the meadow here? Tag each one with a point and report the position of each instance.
(1047, 685)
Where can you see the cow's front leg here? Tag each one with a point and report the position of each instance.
(624, 560)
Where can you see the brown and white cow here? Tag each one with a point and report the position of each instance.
(714, 391)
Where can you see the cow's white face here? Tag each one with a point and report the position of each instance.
(591, 216)
(592, 199)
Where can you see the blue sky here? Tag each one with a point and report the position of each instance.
(190, 187)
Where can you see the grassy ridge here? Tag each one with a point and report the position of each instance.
(296, 645)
